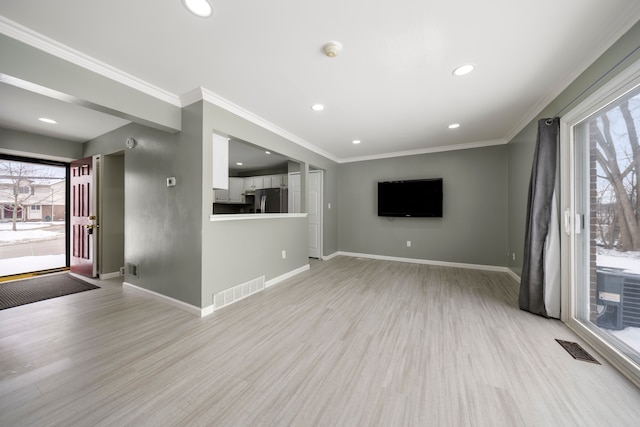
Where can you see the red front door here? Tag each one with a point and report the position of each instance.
(83, 219)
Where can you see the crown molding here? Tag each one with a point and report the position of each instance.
(39, 41)
(203, 94)
(430, 150)
(215, 99)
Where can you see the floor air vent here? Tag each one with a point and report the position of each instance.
(576, 351)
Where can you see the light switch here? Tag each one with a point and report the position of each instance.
(171, 181)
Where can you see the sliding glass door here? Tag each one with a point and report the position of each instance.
(602, 219)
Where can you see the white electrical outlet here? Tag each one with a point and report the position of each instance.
(408, 243)
(284, 254)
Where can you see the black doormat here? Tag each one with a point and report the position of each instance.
(576, 351)
(13, 294)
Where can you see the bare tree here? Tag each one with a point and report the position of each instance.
(618, 154)
(19, 182)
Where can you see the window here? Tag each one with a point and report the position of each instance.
(35, 207)
(601, 201)
(24, 190)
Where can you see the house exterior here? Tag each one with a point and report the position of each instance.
(37, 200)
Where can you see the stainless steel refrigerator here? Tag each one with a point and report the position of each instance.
(271, 200)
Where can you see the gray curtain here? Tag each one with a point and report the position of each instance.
(540, 212)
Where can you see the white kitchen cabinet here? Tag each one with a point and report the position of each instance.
(221, 196)
(294, 192)
(236, 188)
(252, 183)
(248, 185)
(220, 149)
(276, 181)
(257, 182)
(233, 194)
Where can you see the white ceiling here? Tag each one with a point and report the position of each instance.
(391, 87)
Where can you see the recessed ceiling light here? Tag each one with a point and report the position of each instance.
(317, 107)
(356, 141)
(46, 120)
(454, 125)
(239, 163)
(201, 8)
(267, 152)
(463, 70)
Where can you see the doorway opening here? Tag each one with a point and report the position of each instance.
(33, 216)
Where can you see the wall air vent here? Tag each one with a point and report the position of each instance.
(132, 269)
(238, 292)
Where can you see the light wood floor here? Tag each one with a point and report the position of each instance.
(351, 342)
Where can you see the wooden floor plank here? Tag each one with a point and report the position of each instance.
(351, 342)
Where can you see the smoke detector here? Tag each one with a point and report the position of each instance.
(332, 48)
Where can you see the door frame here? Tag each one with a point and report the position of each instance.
(92, 220)
(623, 83)
(67, 189)
(305, 193)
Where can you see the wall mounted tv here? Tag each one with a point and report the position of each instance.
(410, 198)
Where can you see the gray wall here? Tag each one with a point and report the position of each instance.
(522, 146)
(162, 224)
(235, 252)
(111, 214)
(473, 227)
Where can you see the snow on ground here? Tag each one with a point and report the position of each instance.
(8, 236)
(28, 225)
(26, 231)
(627, 261)
(630, 336)
(31, 263)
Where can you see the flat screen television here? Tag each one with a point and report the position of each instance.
(410, 198)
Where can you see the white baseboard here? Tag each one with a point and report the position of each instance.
(429, 262)
(514, 275)
(328, 257)
(197, 311)
(107, 276)
(286, 276)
